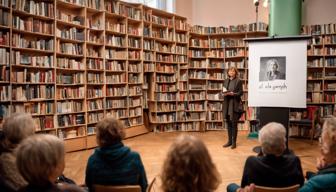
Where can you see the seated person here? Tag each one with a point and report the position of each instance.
(40, 160)
(189, 167)
(15, 128)
(273, 169)
(325, 179)
(112, 163)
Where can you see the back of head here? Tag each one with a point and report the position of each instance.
(38, 157)
(109, 131)
(15, 128)
(329, 135)
(189, 167)
(272, 137)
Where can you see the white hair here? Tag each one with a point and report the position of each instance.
(272, 137)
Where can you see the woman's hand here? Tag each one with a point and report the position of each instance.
(229, 93)
(249, 188)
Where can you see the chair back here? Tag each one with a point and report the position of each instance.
(293, 188)
(119, 188)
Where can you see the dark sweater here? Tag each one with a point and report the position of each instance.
(272, 171)
(115, 165)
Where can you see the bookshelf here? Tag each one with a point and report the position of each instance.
(321, 67)
(212, 50)
(95, 70)
(71, 63)
(5, 51)
(181, 49)
(32, 62)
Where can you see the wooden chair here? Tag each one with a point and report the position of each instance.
(293, 188)
(119, 188)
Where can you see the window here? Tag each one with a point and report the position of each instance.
(166, 5)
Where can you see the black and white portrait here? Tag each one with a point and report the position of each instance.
(272, 68)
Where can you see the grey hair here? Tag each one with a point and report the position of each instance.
(274, 62)
(272, 137)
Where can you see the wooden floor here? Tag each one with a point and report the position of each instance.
(153, 148)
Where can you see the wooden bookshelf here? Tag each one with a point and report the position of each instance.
(321, 84)
(5, 58)
(212, 50)
(112, 58)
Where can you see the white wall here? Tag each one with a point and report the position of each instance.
(234, 12)
(318, 12)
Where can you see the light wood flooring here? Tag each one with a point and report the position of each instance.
(153, 148)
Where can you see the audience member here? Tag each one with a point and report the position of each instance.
(273, 169)
(112, 163)
(40, 160)
(189, 167)
(15, 128)
(325, 179)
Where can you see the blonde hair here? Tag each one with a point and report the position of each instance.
(189, 167)
(109, 131)
(15, 128)
(329, 130)
(272, 137)
(38, 157)
(234, 69)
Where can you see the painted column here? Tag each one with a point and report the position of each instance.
(285, 17)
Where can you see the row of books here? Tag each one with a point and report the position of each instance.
(33, 25)
(70, 120)
(69, 18)
(18, 40)
(230, 29)
(69, 48)
(214, 116)
(31, 92)
(76, 78)
(70, 33)
(70, 93)
(40, 108)
(66, 63)
(70, 106)
(4, 57)
(44, 122)
(93, 37)
(116, 78)
(40, 8)
(319, 29)
(26, 59)
(95, 78)
(95, 117)
(112, 25)
(4, 38)
(94, 64)
(92, 51)
(95, 104)
(26, 76)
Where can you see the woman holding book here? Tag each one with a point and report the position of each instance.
(232, 108)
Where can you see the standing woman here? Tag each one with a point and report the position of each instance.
(233, 89)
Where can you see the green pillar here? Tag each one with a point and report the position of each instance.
(285, 17)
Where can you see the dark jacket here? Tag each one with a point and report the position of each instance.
(273, 171)
(115, 165)
(10, 175)
(324, 181)
(231, 103)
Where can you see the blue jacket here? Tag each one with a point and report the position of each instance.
(115, 165)
(323, 181)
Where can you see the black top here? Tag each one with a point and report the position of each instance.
(231, 103)
(273, 171)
